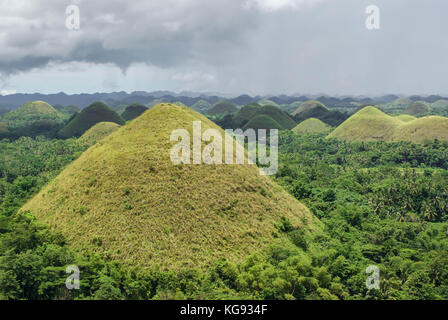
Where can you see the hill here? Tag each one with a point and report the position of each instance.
(133, 111)
(262, 121)
(88, 117)
(423, 130)
(372, 124)
(32, 111)
(268, 103)
(99, 132)
(201, 106)
(31, 119)
(310, 106)
(417, 108)
(440, 104)
(316, 109)
(270, 116)
(124, 199)
(222, 107)
(402, 102)
(311, 125)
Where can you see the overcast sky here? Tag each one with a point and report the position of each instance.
(229, 46)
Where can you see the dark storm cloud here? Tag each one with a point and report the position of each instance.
(163, 33)
(255, 46)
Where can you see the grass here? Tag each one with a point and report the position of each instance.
(311, 125)
(99, 132)
(125, 191)
(88, 117)
(372, 124)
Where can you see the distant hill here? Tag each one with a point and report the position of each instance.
(402, 102)
(124, 199)
(310, 106)
(88, 117)
(201, 106)
(262, 121)
(99, 132)
(255, 116)
(311, 125)
(440, 104)
(133, 111)
(222, 107)
(373, 124)
(417, 108)
(268, 103)
(67, 110)
(316, 109)
(3, 128)
(33, 118)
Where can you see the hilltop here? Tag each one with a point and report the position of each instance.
(311, 125)
(373, 124)
(124, 199)
(309, 106)
(99, 132)
(222, 107)
(133, 111)
(316, 109)
(88, 117)
(256, 116)
(32, 111)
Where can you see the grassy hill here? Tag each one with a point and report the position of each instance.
(268, 103)
(372, 124)
(99, 132)
(133, 111)
(308, 106)
(417, 108)
(201, 106)
(124, 199)
(262, 121)
(316, 109)
(258, 116)
(33, 111)
(33, 118)
(67, 110)
(440, 104)
(311, 125)
(222, 107)
(88, 117)
(402, 102)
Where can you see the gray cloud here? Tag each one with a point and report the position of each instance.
(255, 46)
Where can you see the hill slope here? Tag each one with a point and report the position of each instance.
(417, 108)
(88, 117)
(99, 132)
(124, 199)
(311, 125)
(310, 105)
(33, 111)
(372, 124)
(133, 111)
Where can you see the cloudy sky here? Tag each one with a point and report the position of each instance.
(229, 46)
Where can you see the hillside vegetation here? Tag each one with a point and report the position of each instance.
(417, 108)
(316, 109)
(123, 198)
(133, 111)
(98, 132)
(372, 124)
(222, 107)
(88, 117)
(31, 119)
(311, 125)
